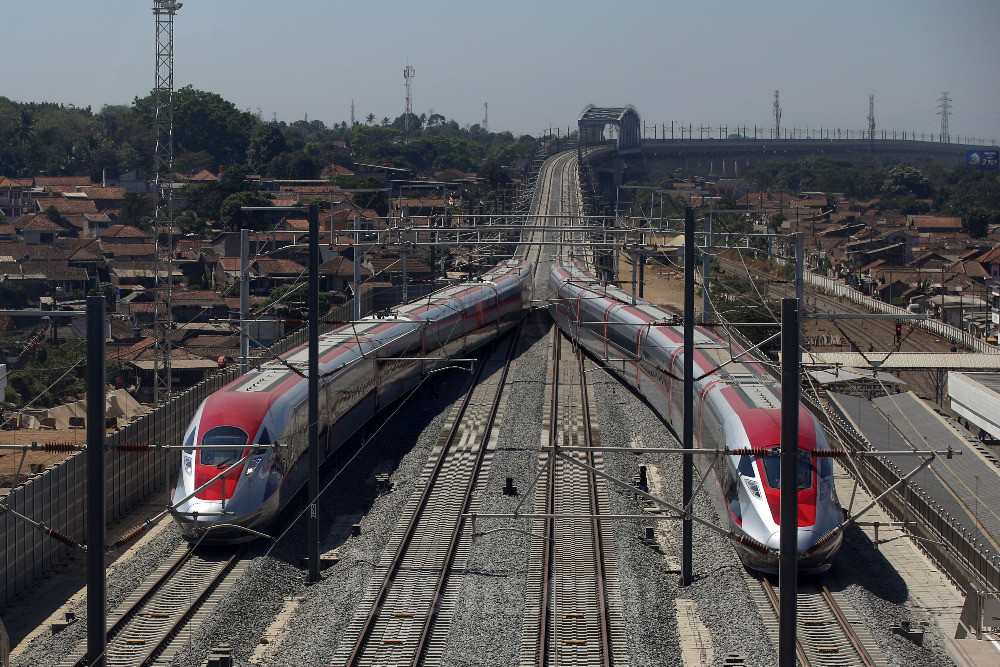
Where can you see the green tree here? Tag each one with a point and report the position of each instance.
(137, 210)
(193, 162)
(905, 180)
(233, 218)
(298, 165)
(205, 121)
(266, 143)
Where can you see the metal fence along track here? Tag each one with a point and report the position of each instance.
(56, 497)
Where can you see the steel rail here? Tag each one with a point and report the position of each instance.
(373, 615)
(852, 636)
(128, 615)
(602, 597)
(549, 530)
(467, 500)
(773, 598)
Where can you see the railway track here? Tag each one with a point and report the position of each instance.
(143, 629)
(828, 632)
(574, 611)
(405, 613)
(877, 335)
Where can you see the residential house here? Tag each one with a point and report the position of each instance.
(38, 229)
(16, 197)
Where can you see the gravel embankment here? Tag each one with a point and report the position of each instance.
(329, 605)
(486, 627)
(127, 576)
(648, 590)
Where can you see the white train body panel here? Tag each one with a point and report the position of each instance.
(358, 377)
(737, 403)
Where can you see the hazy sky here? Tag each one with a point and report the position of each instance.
(537, 63)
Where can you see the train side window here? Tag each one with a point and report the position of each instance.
(265, 437)
(745, 467)
(233, 437)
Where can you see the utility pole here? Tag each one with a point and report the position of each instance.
(944, 113)
(244, 300)
(97, 593)
(314, 394)
(408, 74)
(687, 472)
(163, 171)
(777, 116)
(788, 474)
(871, 122)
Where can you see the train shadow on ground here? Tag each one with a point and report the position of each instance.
(859, 562)
(347, 481)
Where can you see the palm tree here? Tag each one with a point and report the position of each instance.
(385, 121)
(370, 119)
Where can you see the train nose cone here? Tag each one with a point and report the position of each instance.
(805, 538)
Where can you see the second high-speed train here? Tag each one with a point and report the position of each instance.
(737, 406)
(255, 429)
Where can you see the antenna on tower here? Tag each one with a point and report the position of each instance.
(408, 82)
(871, 117)
(352, 113)
(486, 116)
(163, 170)
(777, 116)
(944, 113)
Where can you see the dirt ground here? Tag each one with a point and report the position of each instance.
(10, 459)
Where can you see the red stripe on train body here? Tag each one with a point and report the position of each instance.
(737, 406)
(268, 406)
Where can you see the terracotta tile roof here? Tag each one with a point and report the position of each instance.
(323, 190)
(97, 218)
(336, 170)
(6, 230)
(42, 270)
(128, 249)
(419, 203)
(233, 302)
(18, 250)
(204, 175)
(65, 206)
(203, 297)
(124, 232)
(936, 223)
(393, 264)
(272, 266)
(343, 268)
(97, 192)
(15, 182)
(62, 183)
(38, 223)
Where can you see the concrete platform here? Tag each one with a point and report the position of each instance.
(929, 589)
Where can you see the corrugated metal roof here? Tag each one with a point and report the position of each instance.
(905, 360)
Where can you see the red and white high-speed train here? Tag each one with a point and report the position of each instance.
(738, 406)
(363, 368)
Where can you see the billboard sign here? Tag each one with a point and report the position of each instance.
(983, 159)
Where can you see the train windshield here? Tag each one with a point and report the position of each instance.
(772, 471)
(221, 436)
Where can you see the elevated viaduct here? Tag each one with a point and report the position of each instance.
(728, 157)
